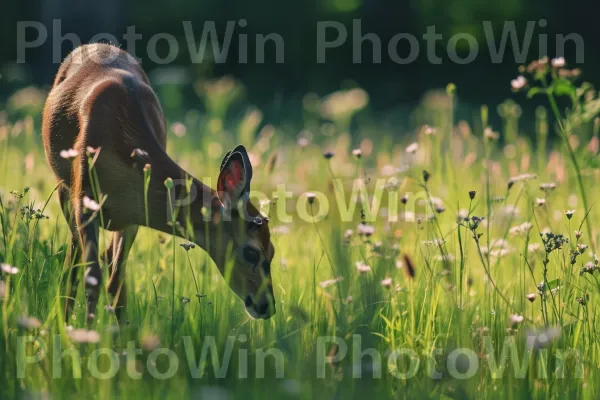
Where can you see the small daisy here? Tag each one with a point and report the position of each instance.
(10, 270)
(84, 336)
(518, 83)
(569, 213)
(362, 267)
(558, 62)
(387, 282)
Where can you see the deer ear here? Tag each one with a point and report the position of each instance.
(234, 180)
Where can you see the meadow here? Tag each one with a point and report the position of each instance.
(455, 260)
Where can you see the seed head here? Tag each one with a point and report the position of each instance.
(328, 155)
(426, 176)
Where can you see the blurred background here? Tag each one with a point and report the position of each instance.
(279, 89)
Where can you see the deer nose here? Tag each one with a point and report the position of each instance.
(265, 308)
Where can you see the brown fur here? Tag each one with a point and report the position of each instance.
(101, 98)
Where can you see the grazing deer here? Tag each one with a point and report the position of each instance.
(101, 104)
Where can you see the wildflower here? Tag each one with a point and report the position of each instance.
(184, 300)
(473, 222)
(348, 234)
(91, 150)
(90, 204)
(84, 336)
(583, 300)
(29, 322)
(357, 153)
(404, 198)
(518, 83)
(591, 267)
(412, 148)
(311, 197)
(520, 178)
(558, 62)
(472, 194)
(429, 131)
(569, 73)
(365, 230)
(439, 209)
(547, 187)
(391, 184)
(147, 168)
(387, 282)
(8, 269)
(178, 129)
(524, 228)
(362, 267)
(533, 247)
(168, 183)
(553, 241)
(434, 243)
(516, 319)
(569, 213)
(68, 154)
(578, 234)
(331, 282)
(540, 201)
(302, 142)
(531, 297)
(328, 155)
(188, 246)
(490, 134)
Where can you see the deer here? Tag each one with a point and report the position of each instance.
(101, 104)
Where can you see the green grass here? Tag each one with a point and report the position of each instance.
(461, 296)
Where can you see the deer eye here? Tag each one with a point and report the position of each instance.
(251, 255)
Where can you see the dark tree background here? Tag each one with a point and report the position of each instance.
(388, 83)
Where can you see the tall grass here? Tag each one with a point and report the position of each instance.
(465, 264)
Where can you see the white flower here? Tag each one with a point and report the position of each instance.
(70, 153)
(331, 282)
(516, 319)
(90, 204)
(10, 270)
(412, 148)
(518, 83)
(387, 282)
(365, 230)
(524, 228)
(362, 267)
(84, 336)
(558, 62)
